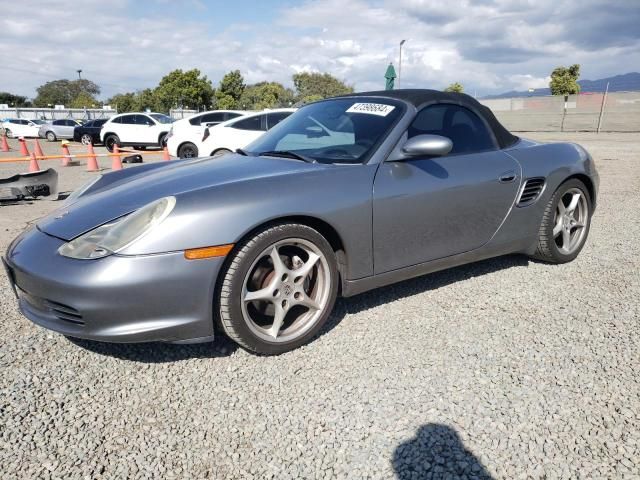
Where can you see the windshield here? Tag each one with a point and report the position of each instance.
(341, 130)
(158, 117)
(38, 122)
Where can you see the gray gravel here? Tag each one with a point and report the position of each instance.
(505, 369)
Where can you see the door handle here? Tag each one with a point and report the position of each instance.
(507, 177)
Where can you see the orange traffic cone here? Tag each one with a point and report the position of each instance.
(23, 147)
(66, 160)
(5, 145)
(165, 154)
(116, 163)
(92, 161)
(37, 149)
(33, 164)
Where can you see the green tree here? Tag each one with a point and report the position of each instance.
(316, 86)
(265, 95)
(83, 100)
(564, 81)
(64, 92)
(14, 100)
(147, 99)
(455, 87)
(184, 89)
(230, 90)
(124, 102)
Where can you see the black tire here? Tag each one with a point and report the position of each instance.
(188, 150)
(110, 140)
(8, 133)
(229, 294)
(220, 152)
(86, 139)
(51, 137)
(548, 249)
(162, 140)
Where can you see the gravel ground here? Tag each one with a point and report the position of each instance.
(505, 369)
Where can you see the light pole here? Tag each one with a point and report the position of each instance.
(79, 72)
(400, 63)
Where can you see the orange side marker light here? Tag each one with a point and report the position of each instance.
(207, 252)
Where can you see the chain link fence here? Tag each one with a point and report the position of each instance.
(587, 112)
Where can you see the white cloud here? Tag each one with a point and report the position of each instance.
(489, 46)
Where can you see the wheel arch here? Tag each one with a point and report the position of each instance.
(321, 226)
(587, 182)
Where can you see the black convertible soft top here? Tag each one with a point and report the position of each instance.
(422, 97)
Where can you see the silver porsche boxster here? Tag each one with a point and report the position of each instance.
(346, 195)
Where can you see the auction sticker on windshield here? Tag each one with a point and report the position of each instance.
(379, 109)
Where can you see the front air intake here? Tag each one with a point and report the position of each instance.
(530, 191)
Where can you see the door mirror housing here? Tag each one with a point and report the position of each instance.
(427, 146)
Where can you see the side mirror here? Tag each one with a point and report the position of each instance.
(427, 146)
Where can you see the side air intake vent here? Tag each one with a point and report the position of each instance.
(530, 191)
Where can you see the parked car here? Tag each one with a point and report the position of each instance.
(136, 130)
(261, 242)
(58, 129)
(193, 127)
(225, 137)
(21, 127)
(89, 132)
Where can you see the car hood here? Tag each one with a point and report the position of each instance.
(177, 178)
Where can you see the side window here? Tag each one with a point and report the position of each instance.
(463, 127)
(212, 118)
(24, 122)
(71, 123)
(117, 120)
(143, 120)
(128, 119)
(231, 115)
(57, 122)
(275, 118)
(251, 123)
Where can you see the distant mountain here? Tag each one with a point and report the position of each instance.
(618, 83)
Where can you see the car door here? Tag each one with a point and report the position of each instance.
(430, 208)
(66, 129)
(127, 129)
(147, 128)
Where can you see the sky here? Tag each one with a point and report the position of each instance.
(490, 46)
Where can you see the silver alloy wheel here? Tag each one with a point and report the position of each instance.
(286, 290)
(86, 139)
(51, 136)
(572, 215)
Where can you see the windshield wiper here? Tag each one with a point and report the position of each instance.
(287, 154)
(241, 152)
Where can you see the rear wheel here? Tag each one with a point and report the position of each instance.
(279, 289)
(86, 139)
(163, 140)
(51, 136)
(188, 150)
(565, 223)
(110, 141)
(8, 133)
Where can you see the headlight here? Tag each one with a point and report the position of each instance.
(113, 237)
(80, 191)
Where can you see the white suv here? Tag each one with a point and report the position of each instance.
(193, 127)
(226, 137)
(136, 130)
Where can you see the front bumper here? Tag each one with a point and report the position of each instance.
(146, 298)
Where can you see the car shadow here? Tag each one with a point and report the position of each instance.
(436, 452)
(414, 286)
(157, 352)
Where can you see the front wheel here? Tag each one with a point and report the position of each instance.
(565, 223)
(51, 136)
(8, 133)
(111, 141)
(278, 289)
(86, 139)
